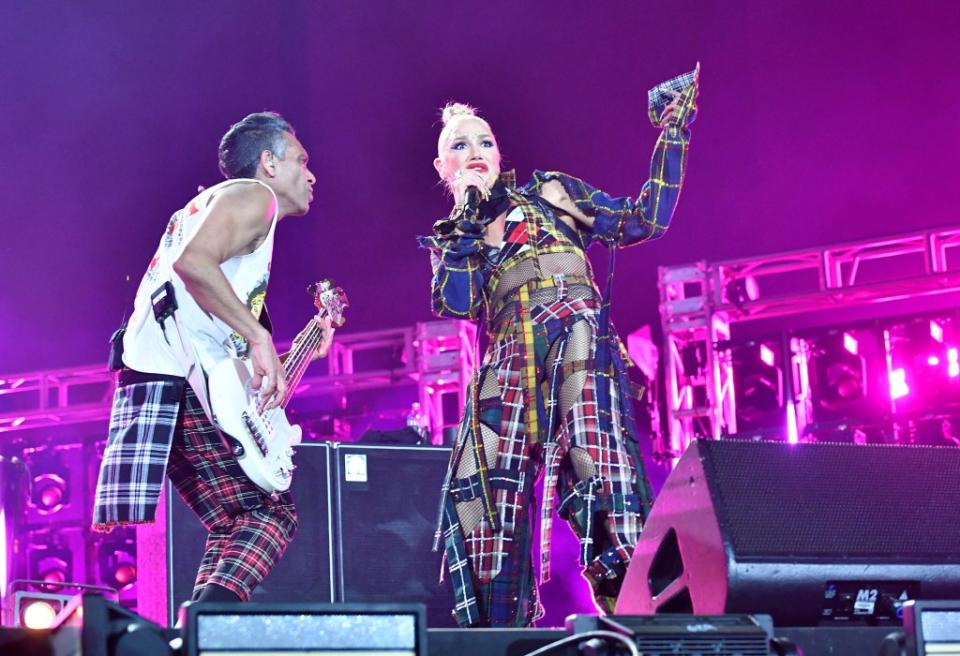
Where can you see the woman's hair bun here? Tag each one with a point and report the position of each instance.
(453, 109)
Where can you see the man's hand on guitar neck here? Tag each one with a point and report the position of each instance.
(326, 340)
(327, 330)
(268, 373)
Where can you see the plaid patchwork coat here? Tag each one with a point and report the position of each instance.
(492, 577)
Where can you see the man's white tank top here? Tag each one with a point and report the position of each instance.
(146, 348)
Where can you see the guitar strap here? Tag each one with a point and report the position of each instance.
(190, 360)
(165, 307)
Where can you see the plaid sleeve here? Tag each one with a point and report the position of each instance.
(625, 221)
(458, 275)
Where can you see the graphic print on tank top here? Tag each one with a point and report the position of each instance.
(254, 302)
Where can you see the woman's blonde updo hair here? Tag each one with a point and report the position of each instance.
(454, 109)
(451, 111)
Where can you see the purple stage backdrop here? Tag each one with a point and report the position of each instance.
(820, 122)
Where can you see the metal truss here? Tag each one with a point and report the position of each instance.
(54, 398)
(699, 302)
(436, 356)
(447, 357)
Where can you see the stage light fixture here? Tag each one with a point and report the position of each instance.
(741, 291)
(50, 561)
(840, 370)
(117, 561)
(840, 383)
(898, 384)
(54, 483)
(49, 493)
(936, 331)
(53, 570)
(38, 614)
(758, 386)
(851, 343)
(922, 364)
(37, 610)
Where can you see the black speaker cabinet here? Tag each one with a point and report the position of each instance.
(808, 533)
(388, 498)
(305, 573)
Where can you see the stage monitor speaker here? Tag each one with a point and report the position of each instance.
(387, 499)
(304, 573)
(931, 627)
(808, 533)
(307, 628)
(720, 635)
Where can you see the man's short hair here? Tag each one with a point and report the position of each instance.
(241, 146)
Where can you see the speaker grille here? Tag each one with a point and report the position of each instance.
(863, 503)
(388, 507)
(304, 571)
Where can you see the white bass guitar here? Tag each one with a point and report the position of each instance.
(263, 442)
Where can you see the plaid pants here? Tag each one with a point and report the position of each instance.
(249, 529)
(491, 569)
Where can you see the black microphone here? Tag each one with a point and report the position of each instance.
(471, 202)
(467, 215)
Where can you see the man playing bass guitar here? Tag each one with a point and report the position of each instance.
(201, 300)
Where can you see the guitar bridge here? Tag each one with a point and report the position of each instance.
(254, 431)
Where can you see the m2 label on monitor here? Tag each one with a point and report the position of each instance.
(867, 602)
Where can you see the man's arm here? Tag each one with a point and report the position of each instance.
(238, 221)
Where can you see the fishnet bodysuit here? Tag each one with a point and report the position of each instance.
(517, 274)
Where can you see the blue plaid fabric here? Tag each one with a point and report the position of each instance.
(489, 561)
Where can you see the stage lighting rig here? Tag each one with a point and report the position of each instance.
(741, 291)
(55, 484)
(50, 560)
(49, 493)
(922, 365)
(35, 604)
(758, 385)
(117, 561)
(839, 383)
(37, 610)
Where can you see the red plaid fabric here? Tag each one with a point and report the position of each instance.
(249, 530)
(597, 427)
(502, 574)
